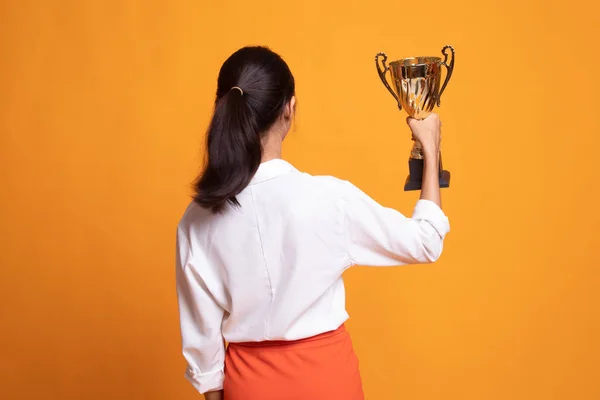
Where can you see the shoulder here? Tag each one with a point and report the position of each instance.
(320, 189)
(328, 183)
(326, 189)
(340, 190)
(193, 217)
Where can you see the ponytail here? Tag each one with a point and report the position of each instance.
(234, 152)
(253, 88)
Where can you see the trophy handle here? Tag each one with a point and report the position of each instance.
(382, 72)
(449, 69)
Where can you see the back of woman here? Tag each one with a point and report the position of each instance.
(262, 248)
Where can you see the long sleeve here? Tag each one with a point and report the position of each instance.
(381, 236)
(200, 320)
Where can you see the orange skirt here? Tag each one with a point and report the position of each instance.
(317, 368)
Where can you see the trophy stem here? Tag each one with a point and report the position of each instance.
(417, 150)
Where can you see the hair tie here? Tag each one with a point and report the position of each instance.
(238, 88)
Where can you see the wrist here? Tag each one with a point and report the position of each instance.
(430, 153)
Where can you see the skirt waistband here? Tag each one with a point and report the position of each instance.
(271, 343)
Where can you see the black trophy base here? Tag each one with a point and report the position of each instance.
(415, 178)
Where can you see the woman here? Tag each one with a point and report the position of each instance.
(262, 248)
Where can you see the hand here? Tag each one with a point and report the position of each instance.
(216, 395)
(427, 132)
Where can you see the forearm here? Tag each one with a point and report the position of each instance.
(216, 395)
(430, 186)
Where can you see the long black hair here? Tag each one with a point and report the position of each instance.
(254, 86)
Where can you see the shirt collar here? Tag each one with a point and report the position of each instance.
(271, 169)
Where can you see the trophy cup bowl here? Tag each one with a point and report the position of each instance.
(415, 85)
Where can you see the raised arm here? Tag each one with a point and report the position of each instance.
(381, 236)
(428, 133)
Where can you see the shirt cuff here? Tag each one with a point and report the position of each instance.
(427, 210)
(205, 382)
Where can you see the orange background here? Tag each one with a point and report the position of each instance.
(103, 109)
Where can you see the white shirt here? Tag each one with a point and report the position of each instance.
(272, 268)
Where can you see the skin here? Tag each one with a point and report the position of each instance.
(273, 140)
(426, 131)
(218, 395)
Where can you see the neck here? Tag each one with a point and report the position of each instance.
(271, 148)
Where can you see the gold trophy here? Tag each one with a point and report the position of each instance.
(416, 87)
